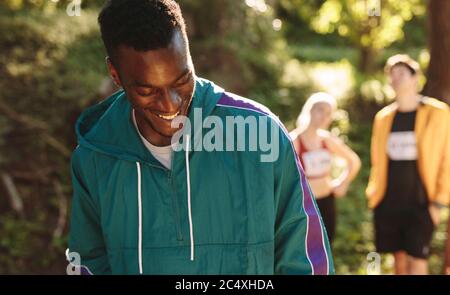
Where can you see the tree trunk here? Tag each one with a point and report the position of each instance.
(438, 75)
(447, 251)
(367, 57)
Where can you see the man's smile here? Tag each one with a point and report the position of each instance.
(169, 117)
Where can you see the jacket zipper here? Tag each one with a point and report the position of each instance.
(173, 195)
(174, 201)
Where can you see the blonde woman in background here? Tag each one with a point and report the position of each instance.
(315, 147)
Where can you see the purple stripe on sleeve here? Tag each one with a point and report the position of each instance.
(315, 246)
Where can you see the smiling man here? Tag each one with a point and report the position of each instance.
(142, 207)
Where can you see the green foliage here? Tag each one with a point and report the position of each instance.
(350, 19)
(229, 37)
(343, 23)
(51, 65)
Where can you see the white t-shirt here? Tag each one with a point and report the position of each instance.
(161, 153)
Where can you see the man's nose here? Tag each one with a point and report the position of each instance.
(171, 101)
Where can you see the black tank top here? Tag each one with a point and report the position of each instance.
(405, 189)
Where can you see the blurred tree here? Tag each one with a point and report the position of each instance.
(230, 37)
(438, 74)
(367, 25)
(240, 46)
(43, 77)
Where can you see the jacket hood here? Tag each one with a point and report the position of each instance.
(107, 127)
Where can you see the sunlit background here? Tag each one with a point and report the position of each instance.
(277, 52)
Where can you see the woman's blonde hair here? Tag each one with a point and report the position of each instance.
(304, 118)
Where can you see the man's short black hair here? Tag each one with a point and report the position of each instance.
(141, 24)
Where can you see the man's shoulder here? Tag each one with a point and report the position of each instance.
(234, 104)
(82, 155)
(436, 105)
(386, 111)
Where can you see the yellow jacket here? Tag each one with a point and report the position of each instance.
(432, 129)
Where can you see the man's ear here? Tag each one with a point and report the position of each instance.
(113, 72)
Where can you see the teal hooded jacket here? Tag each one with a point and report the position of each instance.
(213, 212)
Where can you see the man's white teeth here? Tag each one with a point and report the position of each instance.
(169, 117)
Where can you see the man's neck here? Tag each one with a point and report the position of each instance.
(149, 134)
(408, 102)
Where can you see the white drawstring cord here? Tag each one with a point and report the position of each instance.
(138, 166)
(188, 180)
(191, 230)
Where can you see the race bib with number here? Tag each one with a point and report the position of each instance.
(402, 146)
(316, 162)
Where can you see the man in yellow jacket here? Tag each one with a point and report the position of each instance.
(410, 173)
